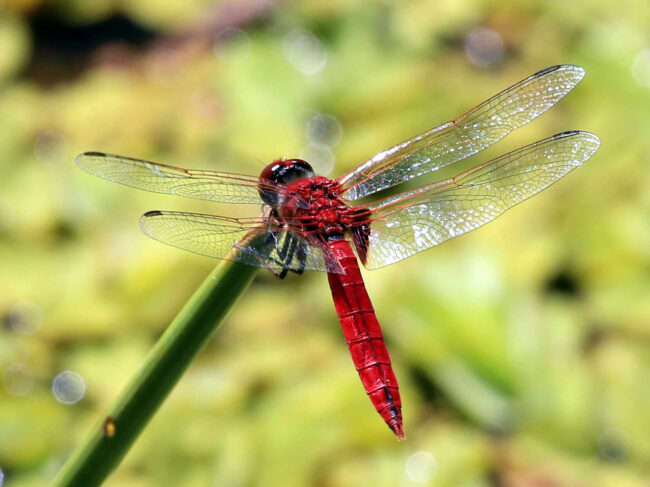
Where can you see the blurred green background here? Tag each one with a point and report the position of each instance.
(522, 349)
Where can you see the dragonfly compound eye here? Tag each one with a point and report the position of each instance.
(284, 172)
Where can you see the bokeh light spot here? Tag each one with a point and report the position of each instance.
(51, 148)
(484, 46)
(641, 68)
(17, 379)
(232, 46)
(612, 445)
(304, 52)
(323, 131)
(421, 466)
(68, 387)
(25, 317)
(321, 159)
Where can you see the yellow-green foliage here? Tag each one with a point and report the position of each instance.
(522, 349)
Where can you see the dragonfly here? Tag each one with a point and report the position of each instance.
(311, 222)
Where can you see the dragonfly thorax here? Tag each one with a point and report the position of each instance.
(317, 208)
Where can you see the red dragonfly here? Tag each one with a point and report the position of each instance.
(311, 223)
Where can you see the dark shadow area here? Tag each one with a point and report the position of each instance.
(564, 282)
(62, 51)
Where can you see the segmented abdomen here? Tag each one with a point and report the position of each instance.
(363, 335)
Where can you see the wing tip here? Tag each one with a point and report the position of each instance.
(567, 133)
(87, 154)
(578, 70)
(83, 160)
(573, 133)
(544, 71)
(146, 219)
(590, 142)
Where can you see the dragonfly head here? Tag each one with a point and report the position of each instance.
(283, 171)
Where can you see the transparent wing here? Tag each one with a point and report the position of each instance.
(468, 134)
(161, 178)
(408, 223)
(256, 242)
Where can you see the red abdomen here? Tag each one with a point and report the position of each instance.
(363, 334)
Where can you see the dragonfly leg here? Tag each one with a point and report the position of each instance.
(287, 248)
(291, 248)
(286, 254)
(256, 254)
(302, 258)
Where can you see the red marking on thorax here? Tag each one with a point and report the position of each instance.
(325, 214)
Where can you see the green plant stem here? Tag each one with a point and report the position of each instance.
(120, 426)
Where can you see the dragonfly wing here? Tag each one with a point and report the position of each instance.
(161, 178)
(468, 134)
(255, 242)
(408, 223)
